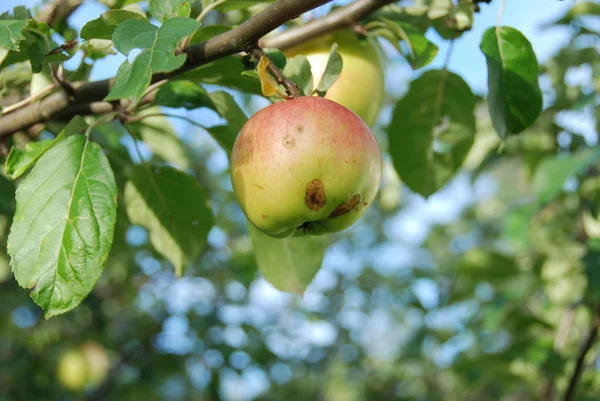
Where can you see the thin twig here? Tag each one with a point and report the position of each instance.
(30, 99)
(58, 74)
(336, 19)
(442, 88)
(290, 87)
(579, 364)
(150, 89)
(208, 9)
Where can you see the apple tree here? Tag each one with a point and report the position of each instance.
(226, 217)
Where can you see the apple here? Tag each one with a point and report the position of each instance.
(86, 365)
(306, 166)
(97, 360)
(72, 370)
(360, 86)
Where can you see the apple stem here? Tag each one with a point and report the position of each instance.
(291, 88)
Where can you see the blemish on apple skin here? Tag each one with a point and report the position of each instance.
(307, 227)
(289, 141)
(315, 195)
(346, 207)
(264, 216)
(258, 186)
(300, 129)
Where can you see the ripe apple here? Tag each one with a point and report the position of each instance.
(360, 86)
(86, 365)
(305, 166)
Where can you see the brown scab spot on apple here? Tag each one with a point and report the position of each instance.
(289, 141)
(264, 216)
(315, 195)
(300, 129)
(346, 207)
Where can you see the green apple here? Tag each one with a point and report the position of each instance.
(73, 370)
(306, 166)
(86, 365)
(360, 86)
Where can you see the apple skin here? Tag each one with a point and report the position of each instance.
(306, 166)
(361, 86)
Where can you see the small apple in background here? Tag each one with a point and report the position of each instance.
(360, 86)
(306, 166)
(86, 365)
(72, 370)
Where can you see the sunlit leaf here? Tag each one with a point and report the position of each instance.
(289, 264)
(551, 174)
(158, 46)
(432, 130)
(64, 223)
(19, 161)
(104, 26)
(515, 98)
(332, 72)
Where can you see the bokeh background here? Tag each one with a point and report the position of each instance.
(453, 297)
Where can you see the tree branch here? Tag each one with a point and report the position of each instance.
(56, 12)
(87, 97)
(226, 44)
(345, 16)
(587, 345)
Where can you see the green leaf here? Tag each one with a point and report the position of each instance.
(7, 196)
(515, 98)
(299, 71)
(421, 50)
(579, 9)
(227, 108)
(207, 32)
(432, 130)
(551, 174)
(36, 45)
(224, 135)
(11, 33)
(225, 72)
(173, 207)
(592, 271)
(332, 72)
(164, 9)
(158, 134)
(289, 264)
(516, 224)
(185, 94)
(158, 55)
(63, 229)
(104, 26)
(19, 161)
(481, 264)
(18, 13)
